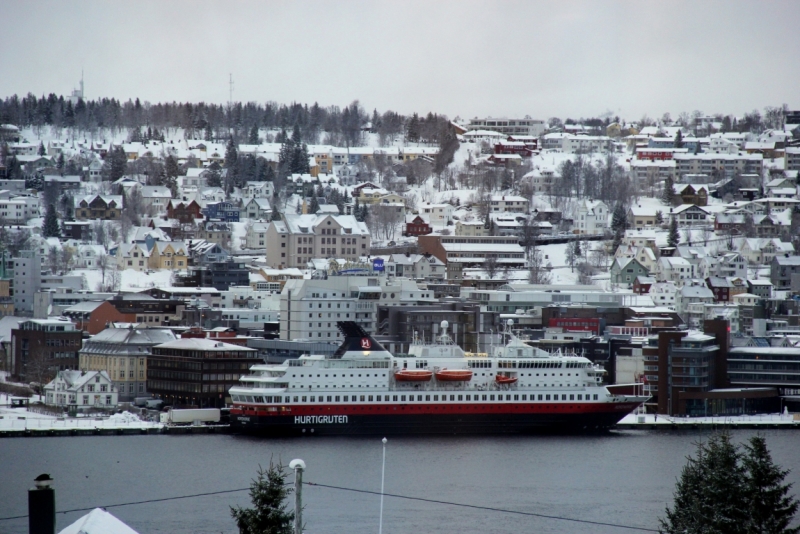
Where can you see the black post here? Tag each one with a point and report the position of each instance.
(42, 507)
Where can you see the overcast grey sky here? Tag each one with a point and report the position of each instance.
(466, 58)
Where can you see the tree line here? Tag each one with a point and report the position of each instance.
(341, 126)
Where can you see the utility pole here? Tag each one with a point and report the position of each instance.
(298, 466)
(383, 472)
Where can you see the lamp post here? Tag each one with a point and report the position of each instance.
(383, 473)
(298, 466)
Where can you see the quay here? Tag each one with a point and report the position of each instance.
(636, 421)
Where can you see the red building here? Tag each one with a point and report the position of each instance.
(641, 286)
(513, 147)
(417, 227)
(184, 211)
(577, 324)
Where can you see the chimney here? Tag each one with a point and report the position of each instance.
(42, 506)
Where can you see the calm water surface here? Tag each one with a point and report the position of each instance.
(621, 477)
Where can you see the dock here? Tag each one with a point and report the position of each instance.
(636, 421)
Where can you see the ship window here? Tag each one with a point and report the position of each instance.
(483, 397)
(329, 398)
(402, 398)
(249, 398)
(539, 398)
(337, 398)
(369, 399)
(469, 397)
(460, 397)
(419, 398)
(313, 399)
(346, 398)
(491, 397)
(394, 398)
(594, 397)
(508, 397)
(295, 399)
(516, 397)
(572, 397)
(303, 398)
(580, 397)
(452, 397)
(436, 397)
(563, 397)
(547, 397)
(427, 397)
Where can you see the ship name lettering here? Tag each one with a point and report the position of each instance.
(320, 419)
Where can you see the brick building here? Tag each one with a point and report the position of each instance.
(42, 347)
(197, 372)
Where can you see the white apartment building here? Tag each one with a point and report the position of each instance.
(436, 213)
(727, 164)
(310, 308)
(18, 209)
(526, 126)
(509, 204)
(295, 240)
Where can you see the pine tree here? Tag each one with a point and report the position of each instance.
(710, 494)
(313, 207)
(269, 515)
(659, 217)
(771, 508)
(50, 227)
(252, 139)
(42, 151)
(674, 236)
(618, 219)
(60, 163)
(209, 135)
(679, 140)
(669, 191)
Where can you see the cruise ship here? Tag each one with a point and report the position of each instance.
(436, 388)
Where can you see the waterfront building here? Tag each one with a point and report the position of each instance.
(122, 353)
(197, 372)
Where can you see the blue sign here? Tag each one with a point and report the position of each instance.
(377, 264)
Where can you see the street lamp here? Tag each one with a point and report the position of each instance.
(298, 466)
(383, 472)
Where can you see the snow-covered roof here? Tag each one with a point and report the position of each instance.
(98, 521)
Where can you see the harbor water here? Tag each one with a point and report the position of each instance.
(622, 477)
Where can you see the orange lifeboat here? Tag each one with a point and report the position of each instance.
(454, 375)
(505, 380)
(413, 375)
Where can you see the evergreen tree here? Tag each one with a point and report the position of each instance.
(619, 221)
(674, 236)
(313, 206)
(710, 495)
(722, 491)
(252, 139)
(51, 228)
(276, 215)
(269, 515)
(209, 135)
(771, 508)
(659, 217)
(669, 191)
(231, 154)
(679, 140)
(60, 163)
(42, 151)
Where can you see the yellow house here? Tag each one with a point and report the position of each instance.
(170, 255)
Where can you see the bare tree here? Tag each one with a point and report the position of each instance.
(490, 265)
(705, 234)
(384, 220)
(537, 271)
